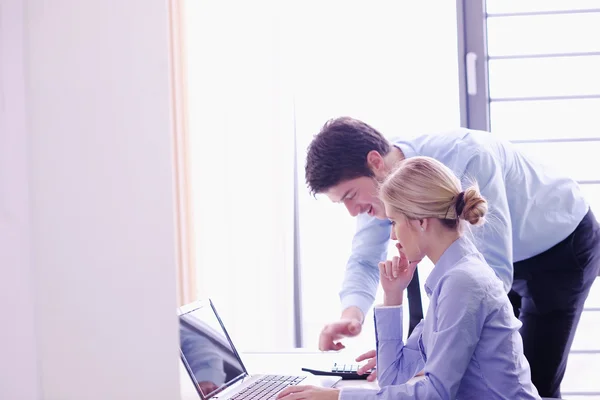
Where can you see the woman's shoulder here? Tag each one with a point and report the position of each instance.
(471, 274)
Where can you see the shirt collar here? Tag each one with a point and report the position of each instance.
(406, 148)
(457, 250)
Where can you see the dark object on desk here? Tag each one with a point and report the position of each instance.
(345, 371)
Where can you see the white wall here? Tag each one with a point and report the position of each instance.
(101, 244)
(18, 361)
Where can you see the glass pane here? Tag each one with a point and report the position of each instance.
(582, 374)
(538, 34)
(510, 6)
(593, 300)
(586, 336)
(575, 159)
(548, 119)
(563, 76)
(592, 195)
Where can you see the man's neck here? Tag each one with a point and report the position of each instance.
(393, 158)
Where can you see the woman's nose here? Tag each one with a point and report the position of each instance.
(393, 234)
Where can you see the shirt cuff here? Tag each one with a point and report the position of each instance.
(388, 323)
(354, 393)
(382, 306)
(357, 300)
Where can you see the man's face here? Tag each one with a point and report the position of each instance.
(359, 195)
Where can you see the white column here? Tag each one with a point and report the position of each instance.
(88, 247)
(19, 377)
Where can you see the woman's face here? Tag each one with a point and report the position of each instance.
(408, 234)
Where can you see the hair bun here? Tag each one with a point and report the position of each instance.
(474, 206)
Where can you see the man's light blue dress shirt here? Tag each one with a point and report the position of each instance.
(468, 345)
(531, 208)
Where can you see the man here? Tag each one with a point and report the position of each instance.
(542, 239)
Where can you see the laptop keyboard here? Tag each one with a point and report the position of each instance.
(267, 387)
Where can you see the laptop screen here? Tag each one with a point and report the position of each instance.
(207, 351)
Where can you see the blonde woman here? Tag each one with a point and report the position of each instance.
(468, 345)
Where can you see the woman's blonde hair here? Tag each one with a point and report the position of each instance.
(422, 187)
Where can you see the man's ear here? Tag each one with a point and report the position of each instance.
(376, 162)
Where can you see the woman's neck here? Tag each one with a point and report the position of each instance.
(444, 238)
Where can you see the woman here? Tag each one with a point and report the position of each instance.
(468, 346)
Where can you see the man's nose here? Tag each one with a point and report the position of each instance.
(352, 207)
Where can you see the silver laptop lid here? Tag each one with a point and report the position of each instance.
(207, 351)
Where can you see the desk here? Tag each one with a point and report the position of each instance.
(285, 363)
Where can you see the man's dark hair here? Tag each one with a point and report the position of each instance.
(339, 153)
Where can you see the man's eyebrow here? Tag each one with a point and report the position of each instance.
(345, 195)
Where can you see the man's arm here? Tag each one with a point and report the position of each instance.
(369, 247)
(494, 239)
(353, 312)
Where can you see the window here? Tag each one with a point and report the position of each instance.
(530, 75)
(382, 75)
(260, 82)
(241, 143)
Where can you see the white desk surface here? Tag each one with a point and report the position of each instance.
(285, 363)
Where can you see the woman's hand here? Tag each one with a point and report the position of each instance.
(395, 275)
(372, 363)
(308, 393)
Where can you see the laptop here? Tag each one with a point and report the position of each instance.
(215, 366)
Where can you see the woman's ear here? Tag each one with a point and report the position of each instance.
(423, 223)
